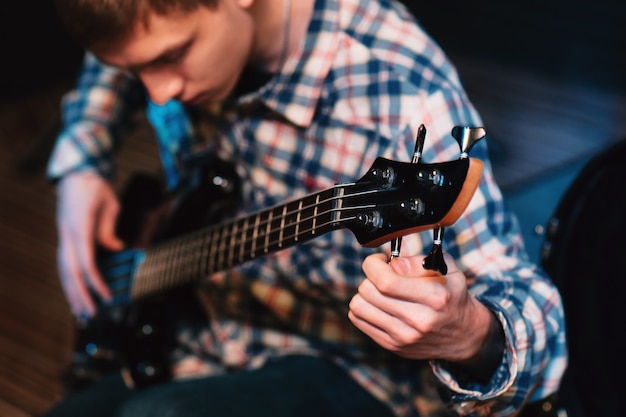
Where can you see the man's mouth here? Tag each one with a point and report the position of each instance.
(199, 99)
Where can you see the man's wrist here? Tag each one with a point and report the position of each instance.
(482, 366)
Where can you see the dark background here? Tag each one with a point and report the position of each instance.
(578, 41)
(575, 40)
(36, 51)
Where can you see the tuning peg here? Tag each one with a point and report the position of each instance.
(419, 144)
(417, 155)
(467, 137)
(434, 260)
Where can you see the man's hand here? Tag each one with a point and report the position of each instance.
(87, 210)
(421, 314)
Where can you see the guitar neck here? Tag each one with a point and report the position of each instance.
(393, 199)
(184, 259)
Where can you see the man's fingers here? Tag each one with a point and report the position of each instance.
(76, 291)
(404, 278)
(89, 270)
(376, 333)
(408, 312)
(386, 329)
(105, 234)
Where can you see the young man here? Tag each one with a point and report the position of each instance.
(302, 95)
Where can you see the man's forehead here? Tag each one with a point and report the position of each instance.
(147, 43)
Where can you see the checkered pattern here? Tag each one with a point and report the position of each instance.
(362, 82)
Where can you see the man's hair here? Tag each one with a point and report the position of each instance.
(105, 22)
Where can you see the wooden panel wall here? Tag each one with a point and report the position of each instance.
(36, 327)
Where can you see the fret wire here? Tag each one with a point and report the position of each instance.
(147, 267)
(177, 254)
(204, 246)
(213, 252)
(233, 244)
(182, 269)
(220, 252)
(200, 252)
(255, 234)
(157, 269)
(244, 238)
(190, 250)
(282, 226)
(188, 264)
(298, 216)
(317, 199)
(178, 269)
(161, 270)
(169, 264)
(268, 228)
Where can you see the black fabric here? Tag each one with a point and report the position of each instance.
(291, 386)
(584, 253)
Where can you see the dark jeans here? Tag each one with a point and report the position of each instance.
(295, 386)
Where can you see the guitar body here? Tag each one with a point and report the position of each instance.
(137, 337)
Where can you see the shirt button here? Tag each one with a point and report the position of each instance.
(234, 354)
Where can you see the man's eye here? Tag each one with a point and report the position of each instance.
(166, 60)
(172, 58)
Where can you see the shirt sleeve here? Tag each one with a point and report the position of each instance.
(92, 120)
(487, 244)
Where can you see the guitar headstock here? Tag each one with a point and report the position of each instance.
(394, 198)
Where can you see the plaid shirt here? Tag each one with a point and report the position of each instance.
(364, 79)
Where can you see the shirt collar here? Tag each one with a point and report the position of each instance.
(296, 90)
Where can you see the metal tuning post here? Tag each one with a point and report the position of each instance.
(419, 144)
(417, 156)
(395, 248)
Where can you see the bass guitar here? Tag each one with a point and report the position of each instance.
(391, 200)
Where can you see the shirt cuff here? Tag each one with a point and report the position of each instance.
(86, 146)
(499, 383)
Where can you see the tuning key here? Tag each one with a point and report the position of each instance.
(417, 155)
(467, 137)
(419, 144)
(434, 260)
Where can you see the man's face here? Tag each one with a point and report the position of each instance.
(195, 57)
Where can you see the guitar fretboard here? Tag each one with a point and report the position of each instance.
(206, 251)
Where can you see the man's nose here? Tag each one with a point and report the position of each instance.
(162, 86)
